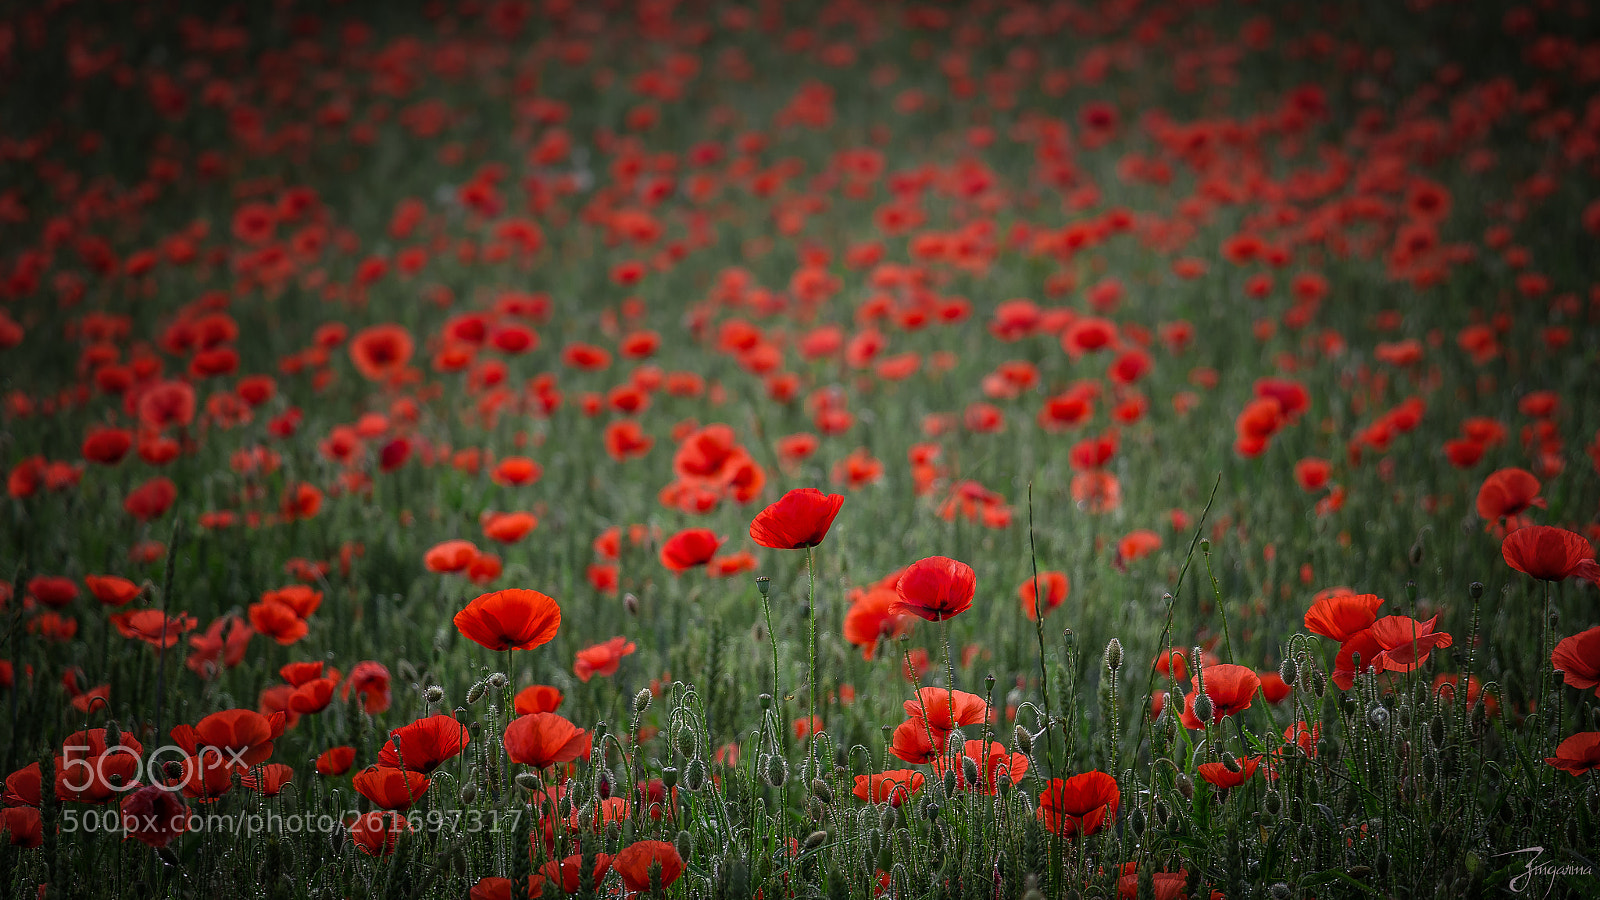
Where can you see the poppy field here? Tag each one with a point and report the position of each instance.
(1003, 450)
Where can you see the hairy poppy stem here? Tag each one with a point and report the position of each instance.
(811, 721)
(161, 648)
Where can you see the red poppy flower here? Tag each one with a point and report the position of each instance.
(568, 873)
(268, 780)
(376, 833)
(1550, 554)
(635, 861)
(1056, 588)
(799, 519)
(544, 739)
(153, 627)
(244, 737)
(151, 499)
(154, 815)
(1507, 492)
(1578, 658)
(107, 446)
(508, 528)
(602, 659)
(514, 471)
(1219, 775)
(450, 556)
(512, 619)
(1083, 804)
(993, 761)
(25, 826)
(424, 745)
(1230, 689)
(370, 680)
(537, 698)
(381, 350)
(336, 760)
(107, 769)
(390, 788)
(493, 887)
(53, 591)
(278, 621)
(936, 588)
(1391, 644)
(111, 590)
(689, 548)
(893, 787)
(1577, 754)
(1341, 617)
(946, 710)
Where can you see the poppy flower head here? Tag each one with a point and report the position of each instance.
(1507, 492)
(1340, 617)
(512, 619)
(1550, 554)
(424, 745)
(1055, 588)
(602, 659)
(1230, 689)
(636, 861)
(689, 548)
(893, 787)
(450, 556)
(799, 519)
(936, 588)
(1577, 754)
(544, 739)
(1578, 658)
(1083, 804)
(380, 351)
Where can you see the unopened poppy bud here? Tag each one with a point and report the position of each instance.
(1280, 891)
(475, 693)
(821, 791)
(498, 680)
(1272, 803)
(1114, 655)
(1023, 738)
(630, 603)
(949, 783)
(669, 777)
(1185, 786)
(1136, 822)
(886, 819)
(1230, 762)
(763, 584)
(1416, 554)
(1288, 671)
(641, 701)
(683, 842)
(814, 840)
(969, 770)
(1436, 730)
(337, 837)
(1202, 707)
(686, 740)
(766, 701)
(694, 775)
(469, 794)
(113, 734)
(434, 694)
(777, 770)
(527, 781)
(1475, 590)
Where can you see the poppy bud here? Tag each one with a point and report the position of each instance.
(686, 740)
(1378, 716)
(1202, 707)
(434, 694)
(1436, 730)
(777, 770)
(337, 837)
(763, 584)
(766, 701)
(814, 840)
(113, 734)
(498, 680)
(475, 693)
(528, 781)
(969, 770)
(1272, 803)
(949, 783)
(1023, 739)
(469, 794)
(1230, 762)
(669, 777)
(1475, 590)
(1166, 597)
(1185, 786)
(1162, 812)
(1114, 655)
(886, 819)
(641, 701)
(1319, 682)
(694, 775)
(1348, 705)
(1136, 822)
(1279, 891)
(1416, 553)
(683, 843)
(630, 603)
(758, 633)
(821, 791)
(1288, 671)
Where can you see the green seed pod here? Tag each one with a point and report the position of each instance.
(814, 840)
(498, 681)
(931, 810)
(434, 694)
(641, 701)
(766, 701)
(475, 693)
(763, 584)
(1348, 705)
(1114, 655)
(669, 777)
(1475, 590)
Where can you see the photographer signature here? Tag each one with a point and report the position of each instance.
(1521, 880)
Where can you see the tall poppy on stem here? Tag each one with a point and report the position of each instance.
(1550, 554)
(512, 619)
(1083, 804)
(799, 520)
(936, 588)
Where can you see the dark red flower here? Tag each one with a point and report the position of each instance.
(1578, 658)
(635, 861)
(1550, 554)
(1577, 754)
(1083, 804)
(424, 745)
(936, 588)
